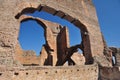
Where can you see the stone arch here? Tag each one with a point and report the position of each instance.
(48, 48)
(58, 13)
(76, 22)
(26, 18)
(82, 10)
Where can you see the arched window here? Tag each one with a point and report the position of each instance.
(31, 36)
(78, 33)
(74, 32)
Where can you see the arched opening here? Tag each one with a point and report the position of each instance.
(74, 32)
(113, 60)
(84, 45)
(31, 36)
(113, 55)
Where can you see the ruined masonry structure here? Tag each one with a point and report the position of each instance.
(58, 60)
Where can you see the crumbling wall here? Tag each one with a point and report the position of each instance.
(43, 58)
(51, 33)
(30, 58)
(51, 73)
(18, 53)
(49, 50)
(62, 38)
(27, 58)
(78, 58)
(109, 73)
(79, 12)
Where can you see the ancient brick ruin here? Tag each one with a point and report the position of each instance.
(58, 60)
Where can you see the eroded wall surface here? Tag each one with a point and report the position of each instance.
(109, 73)
(46, 73)
(48, 54)
(79, 12)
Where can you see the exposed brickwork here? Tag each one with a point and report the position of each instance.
(80, 13)
(78, 58)
(109, 73)
(62, 39)
(51, 73)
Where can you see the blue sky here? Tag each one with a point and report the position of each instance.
(108, 12)
(31, 36)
